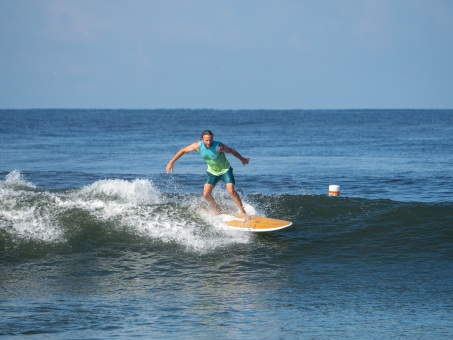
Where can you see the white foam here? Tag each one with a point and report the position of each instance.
(25, 212)
(135, 207)
(16, 179)
(140, 208)
(30, 223)
(171, 227)
(138, 191)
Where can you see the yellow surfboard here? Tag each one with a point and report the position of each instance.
(257, 224)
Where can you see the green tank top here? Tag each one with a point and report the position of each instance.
(217, 162)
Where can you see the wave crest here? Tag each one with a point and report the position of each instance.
(138, 191)
(106, 211)
(17, 180)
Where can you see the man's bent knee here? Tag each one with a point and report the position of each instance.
(230, 190)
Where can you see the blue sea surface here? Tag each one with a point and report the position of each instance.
(98, 242)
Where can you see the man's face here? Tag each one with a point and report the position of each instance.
(207, 141)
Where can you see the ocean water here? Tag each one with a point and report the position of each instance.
(98, 242)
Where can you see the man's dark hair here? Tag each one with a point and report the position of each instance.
(206, 133)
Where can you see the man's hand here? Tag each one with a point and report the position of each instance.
(245, 161)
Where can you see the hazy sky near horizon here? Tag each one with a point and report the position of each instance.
(226, 54)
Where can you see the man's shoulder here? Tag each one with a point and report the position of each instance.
(192, 147)
(218, 144)
(196, 145)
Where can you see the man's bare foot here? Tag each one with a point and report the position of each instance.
(244, 216)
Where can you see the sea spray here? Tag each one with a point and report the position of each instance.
(26, 212)
(112, 210)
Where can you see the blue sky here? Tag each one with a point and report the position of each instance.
(236, 54)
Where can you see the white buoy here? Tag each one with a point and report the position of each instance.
(334, 190)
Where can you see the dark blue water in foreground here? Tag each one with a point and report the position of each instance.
(97, 241)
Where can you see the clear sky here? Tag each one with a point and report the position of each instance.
(226, 54)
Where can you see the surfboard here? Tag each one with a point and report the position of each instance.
(256, 224)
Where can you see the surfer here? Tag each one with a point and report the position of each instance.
(218, 167)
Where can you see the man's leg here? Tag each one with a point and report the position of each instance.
(236, 198)
(207, 194)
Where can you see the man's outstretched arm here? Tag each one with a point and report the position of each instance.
(182, 151)
(226, 149)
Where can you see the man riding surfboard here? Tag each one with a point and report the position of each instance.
(219, 168)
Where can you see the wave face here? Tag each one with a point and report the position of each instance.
(35, 222)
